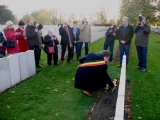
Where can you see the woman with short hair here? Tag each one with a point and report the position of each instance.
(50, 40)
(11, 35)
(22, 40)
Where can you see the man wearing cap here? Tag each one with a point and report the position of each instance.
(142, 31)
(109, 42)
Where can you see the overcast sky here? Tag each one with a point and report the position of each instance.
(84, 7)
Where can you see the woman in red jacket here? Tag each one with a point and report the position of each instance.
(22, 41)
(11, 34)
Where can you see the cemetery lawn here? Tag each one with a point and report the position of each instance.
(50, 95)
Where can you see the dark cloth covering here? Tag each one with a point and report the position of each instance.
(94, 76)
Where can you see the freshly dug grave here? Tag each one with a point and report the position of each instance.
(105, 105)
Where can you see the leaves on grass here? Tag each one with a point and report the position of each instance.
(8, 106)
(140, 118)
(56, 90)
(12, 91)
(127, 107)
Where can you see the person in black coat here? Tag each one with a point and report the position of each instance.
(125, 34)
(33, 43)
(66, 40)
(109, 42)
(92, 74)
(2, 45)
(76, 33)
(50, 40)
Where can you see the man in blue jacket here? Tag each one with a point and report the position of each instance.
(109, 42)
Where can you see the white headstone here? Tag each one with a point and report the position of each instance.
(31, 63)
(5, 81)
(120, 107)
(23, 65)
(14, 69)
(121, 90)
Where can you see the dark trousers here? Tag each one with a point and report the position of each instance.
(36, 53)
(111, 46)
(53, 57)
(86, 48)
(142, 57)
(77, 47)
(69, 52)
(39, 54)
(124, 49)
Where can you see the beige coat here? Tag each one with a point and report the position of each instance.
(85, 33)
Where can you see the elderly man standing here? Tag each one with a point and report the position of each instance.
(142, 31)
(33, 43)
(125, 34)
(66, 40)
(85, 35)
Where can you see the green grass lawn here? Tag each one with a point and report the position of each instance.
(50, 95)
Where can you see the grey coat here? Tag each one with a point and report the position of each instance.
(85, 33)
(142, 35)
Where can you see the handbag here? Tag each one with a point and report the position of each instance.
(10, 44)
(50, 50)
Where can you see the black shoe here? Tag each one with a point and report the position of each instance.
(119, 66)
(39, 66)
(143, 70)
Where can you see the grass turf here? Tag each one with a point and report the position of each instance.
(50, 95)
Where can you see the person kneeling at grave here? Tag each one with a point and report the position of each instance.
(51, 48)
(92, 74)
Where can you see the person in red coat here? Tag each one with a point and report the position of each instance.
(11, 34)
(22, 42)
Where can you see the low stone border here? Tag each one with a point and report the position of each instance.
(119, 113)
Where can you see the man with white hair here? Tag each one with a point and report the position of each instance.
(125, 34)
(85, 35)
(142, 31)
(67, 40)
(50, 40)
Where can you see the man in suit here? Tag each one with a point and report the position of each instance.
(66, 40)
(76, 33)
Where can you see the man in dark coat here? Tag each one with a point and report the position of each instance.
(33, 43)
(142, 31)
(66, 40)
(92, 74)
(125, 34)
(109, 42)
(50, 40)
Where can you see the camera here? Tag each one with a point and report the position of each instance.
(140, 19)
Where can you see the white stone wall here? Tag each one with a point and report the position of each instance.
(16, 68)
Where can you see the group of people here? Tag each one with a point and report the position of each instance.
(125, 34)
(74, 38)
(92, 74)
(22, 39)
